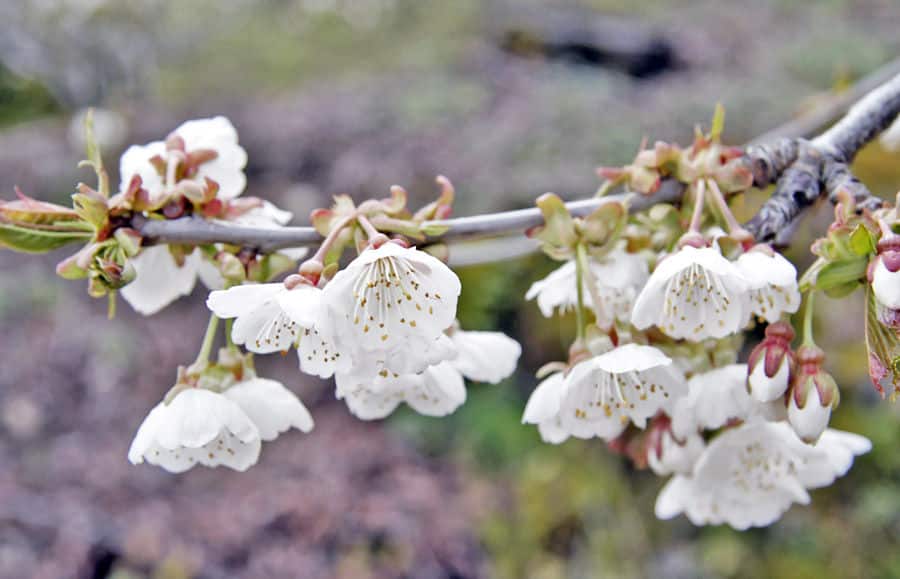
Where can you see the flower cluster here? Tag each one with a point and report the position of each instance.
(662, 300)
(652, 370)
(384, 325)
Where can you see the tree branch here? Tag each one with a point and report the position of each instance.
(803, 170)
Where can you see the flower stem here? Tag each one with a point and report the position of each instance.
(208, 339)
(579, 281)
(367, 226)
(228, 341)
(596, 300)
(697, 215)
(808, 320)
(329, 240)
(731, 223)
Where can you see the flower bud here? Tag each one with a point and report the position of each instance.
(814, 394)
(886, 273)
(770, 363)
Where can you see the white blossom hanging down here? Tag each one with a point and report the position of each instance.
(694, 294)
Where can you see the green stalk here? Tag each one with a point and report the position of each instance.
(579, 281)
(208, 339)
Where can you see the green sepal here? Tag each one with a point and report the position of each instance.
(34, 240)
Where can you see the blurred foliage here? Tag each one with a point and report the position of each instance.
(23, 99)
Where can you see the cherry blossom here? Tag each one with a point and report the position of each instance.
(713, 398)
(618, 279)
(197, 427)
(750, 475)
(675, 457)
(543, 409)
(269, 317)
(773, 283)
(391, 297)
(629, 383)
(694, 294)
(273, 408)
(215, 137)
(160, 279)
(437, 391)
(484, 356)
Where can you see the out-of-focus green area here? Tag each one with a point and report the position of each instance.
(358, 94)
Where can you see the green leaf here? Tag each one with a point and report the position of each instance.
(718, 123)
(38, 240)
(839, 273)
(862, 242)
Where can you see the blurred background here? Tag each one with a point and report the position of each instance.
(507, 98)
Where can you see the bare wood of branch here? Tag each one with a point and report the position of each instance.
(804, 171)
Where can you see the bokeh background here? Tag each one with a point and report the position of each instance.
(508, 99)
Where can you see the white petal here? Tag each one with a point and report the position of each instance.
(761, 270)
(227, 169)
(765, 389)
(440, 391)
(485, 356)
(197, 427)
(552, 431)
(673, 497)
(242, 299)
(159, 281)
(392, 296)
(886, 286)
(629, 358)
(136, 161)
(675, 457)
(810, 421)
(320, 356)
(367, 403)
(266, 329)
(694, 294)
(302, 304)
(713, 399)
(543, 404)
(272, 407)
(557, 290)
(208, 273)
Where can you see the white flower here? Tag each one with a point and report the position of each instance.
(197, 427)
(810, 421)
(675, 457)
(886, 285)
(269, 316)
(716, 397)
(272, 407)
(437, 391)
(694, 294)
(159, 279)
(392, 297)
(750, 475)
(773, 283)
(618, 278)
(485, 356)
(543, 407)
(765, 389)
(216, 134)
(832, 457)
(630, 383)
